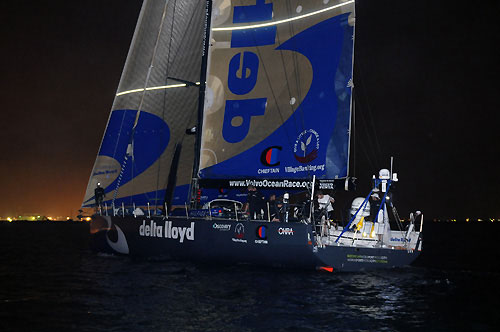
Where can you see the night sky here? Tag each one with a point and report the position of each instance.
(426, 93)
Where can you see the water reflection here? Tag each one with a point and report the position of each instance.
(101, 292)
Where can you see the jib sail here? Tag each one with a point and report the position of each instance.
(157, 100)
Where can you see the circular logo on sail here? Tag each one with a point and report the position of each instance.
(270, 156)
(306, 146)
(262, 232)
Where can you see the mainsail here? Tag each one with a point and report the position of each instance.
(278, 97)
(157, 100)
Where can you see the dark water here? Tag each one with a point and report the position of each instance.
(50, 281)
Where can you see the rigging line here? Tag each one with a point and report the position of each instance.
(188, 25)
(181, 85)
(398, 221)
(160, 30)
(366, 141)
(291, 30)
(370, 139)
(119, 134)
(153, 56)
(190, 123)
(368, 147)
(272, 91)
(369, 112)
(285, 72)
(165, 100)
(352, 123)
(365, 149)
(257, 48)
(353, 132)
(284, 69)
(184, 35)
(295, 64)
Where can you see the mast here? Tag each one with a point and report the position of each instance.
(352, 119)
(201, 99)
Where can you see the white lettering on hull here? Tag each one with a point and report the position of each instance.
(167, 231)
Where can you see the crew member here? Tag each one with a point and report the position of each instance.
(374, 204)
(99, 194)
(325, 207)
(274, 208)
(255, 203)
(325, 203)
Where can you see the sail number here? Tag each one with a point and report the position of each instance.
(244, 68)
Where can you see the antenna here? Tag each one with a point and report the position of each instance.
(392, 159)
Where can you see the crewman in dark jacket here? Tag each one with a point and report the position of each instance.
(274, 208)
(99, 194)
(255, 203)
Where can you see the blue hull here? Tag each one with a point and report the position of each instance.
(275, 244)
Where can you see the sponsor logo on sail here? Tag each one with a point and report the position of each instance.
(105, 172)
(305, 168)
(243, 71)
(285, 231)
(306, 146)
(268, 170)
(222, 227)
(270, 156)
(239, 233)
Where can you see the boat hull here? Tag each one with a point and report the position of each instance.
(225, 241)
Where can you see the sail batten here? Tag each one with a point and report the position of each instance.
(276, 22)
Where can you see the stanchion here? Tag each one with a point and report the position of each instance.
(236, 211)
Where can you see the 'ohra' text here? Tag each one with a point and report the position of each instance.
(167, 231)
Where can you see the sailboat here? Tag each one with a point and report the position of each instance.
(220, 95)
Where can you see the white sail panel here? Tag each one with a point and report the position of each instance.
(149, 116)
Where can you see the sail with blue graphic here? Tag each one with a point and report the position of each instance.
(156, 101)
(278, 97)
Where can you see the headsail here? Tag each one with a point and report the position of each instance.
(154, 105)
(278, 97)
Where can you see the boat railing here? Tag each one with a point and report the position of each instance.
(211, 212)
(123, 210)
